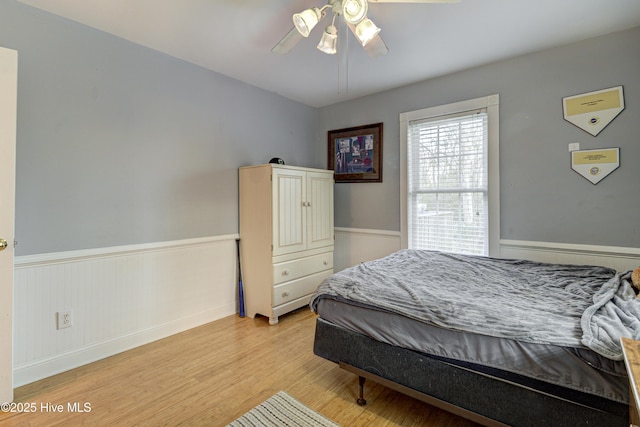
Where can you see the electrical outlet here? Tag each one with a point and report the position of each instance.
(64, 319)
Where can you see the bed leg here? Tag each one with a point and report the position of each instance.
(361, 401)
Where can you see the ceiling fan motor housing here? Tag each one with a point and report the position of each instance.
(354, 11)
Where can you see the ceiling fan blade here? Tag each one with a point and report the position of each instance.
(414, 1)
(376, 47)
(288, 42)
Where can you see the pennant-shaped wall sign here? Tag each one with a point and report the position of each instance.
(595, 165)
(594, 110)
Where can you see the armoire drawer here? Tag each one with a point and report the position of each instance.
(297, 288)
(291, 270)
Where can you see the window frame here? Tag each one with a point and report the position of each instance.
(491, 104)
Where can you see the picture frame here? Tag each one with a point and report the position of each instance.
(355, 153)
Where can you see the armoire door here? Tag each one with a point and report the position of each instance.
(320, 230)
(289, 211)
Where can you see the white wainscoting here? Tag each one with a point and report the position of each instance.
(353, 246)
(127, 296)
(120, 298)
(356, 245)
(619, 258)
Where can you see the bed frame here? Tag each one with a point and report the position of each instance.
(491, 398)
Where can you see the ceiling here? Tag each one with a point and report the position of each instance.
(235, 37)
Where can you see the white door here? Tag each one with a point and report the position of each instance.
(8, 92)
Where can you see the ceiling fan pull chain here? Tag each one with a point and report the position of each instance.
(346, 78)
(339, 56)
(339, 59)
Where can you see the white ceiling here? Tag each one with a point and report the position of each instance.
(235, 37)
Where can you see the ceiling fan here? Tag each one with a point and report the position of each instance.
(354, 14)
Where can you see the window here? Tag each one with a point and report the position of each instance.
(447, 173)
(450, 178)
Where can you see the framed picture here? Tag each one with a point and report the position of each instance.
(355, 154)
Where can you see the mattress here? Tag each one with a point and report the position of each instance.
(482, 397)
(569, 368)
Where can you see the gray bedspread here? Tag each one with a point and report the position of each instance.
(565, 305)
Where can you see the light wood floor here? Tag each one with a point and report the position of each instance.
(213, 374)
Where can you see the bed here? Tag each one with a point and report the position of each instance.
(501, 342)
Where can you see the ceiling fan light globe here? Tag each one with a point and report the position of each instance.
(329, 40)
(366, 31)
(354, 11)
(306, 20)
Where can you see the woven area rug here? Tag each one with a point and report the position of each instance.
(282, 410)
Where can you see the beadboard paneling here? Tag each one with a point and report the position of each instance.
(124, 297)
(356, 245)
(120, 298)
(353, 246)
(619, 258)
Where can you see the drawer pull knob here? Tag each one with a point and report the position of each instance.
(325, 262)
(285, 294)
(285, 272)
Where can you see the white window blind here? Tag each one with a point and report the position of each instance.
(447, 183)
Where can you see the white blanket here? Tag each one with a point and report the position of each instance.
(615, 314)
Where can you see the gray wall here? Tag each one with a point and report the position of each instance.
(542, 199)
(118, 144)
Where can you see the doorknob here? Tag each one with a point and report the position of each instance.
(3, 244)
